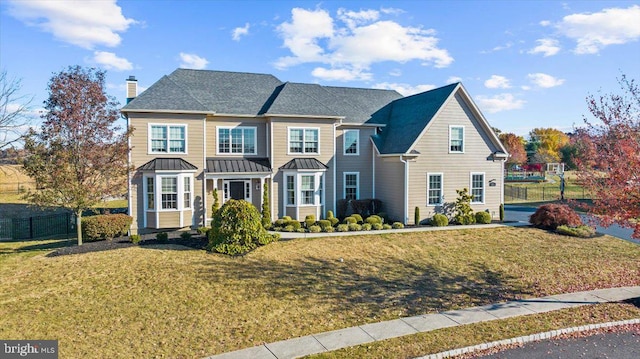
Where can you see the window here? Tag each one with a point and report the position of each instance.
(237, 140)
(351, 185)
(150, 194)
(307, 190)
(168, 138)
(434, 189)
(169, 192)
(351, 142)
(456, 139)
(291, 191)
(187, 192)
(477, 187)
(303, 140)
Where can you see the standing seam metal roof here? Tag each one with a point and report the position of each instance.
(238, 165)
(167, 164)
(304, 164)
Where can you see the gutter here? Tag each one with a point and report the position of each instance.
(406, 189)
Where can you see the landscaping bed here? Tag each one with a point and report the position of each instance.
(195, 242)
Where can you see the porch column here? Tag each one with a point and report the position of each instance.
(261, 191)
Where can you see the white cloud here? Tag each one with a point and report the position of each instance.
(497, 82)
(355, 40)
(395, 72)
(498, 103)
(525, 87)
(110, 61)
(594, 31)
(547, 47)
(193, 61)
(81, 23)
(391, 11)
(342, 74)
(545, 23)
(404, 89)
(453, 79)
(545, 81)
(238, 32)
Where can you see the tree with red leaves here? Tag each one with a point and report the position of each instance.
(78, 158)
(609, 157)
(515, 146)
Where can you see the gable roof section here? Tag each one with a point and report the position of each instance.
(238, 165)
(166, 95)
(168, 164)
(304, 164)
(302, 99)
(406, 118)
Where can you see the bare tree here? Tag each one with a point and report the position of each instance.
(13, 110)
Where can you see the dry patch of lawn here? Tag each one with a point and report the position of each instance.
(172, 302)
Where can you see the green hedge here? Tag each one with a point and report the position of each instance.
(105, 226)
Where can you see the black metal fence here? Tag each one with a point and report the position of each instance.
(541, 194)
(37, 227)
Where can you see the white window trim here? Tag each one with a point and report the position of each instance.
(190, 180)
(226, 189)
(344, 184)
(463, 138)
(167, 125)
(344, 143)
(318, 199)
(255, 141)
(303, 142)
(441, 188)
(484, 186)
(157, 194)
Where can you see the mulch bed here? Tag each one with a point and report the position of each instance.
(195, 242)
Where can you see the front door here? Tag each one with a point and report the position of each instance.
(236, 189)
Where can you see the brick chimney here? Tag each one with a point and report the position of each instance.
(132, 88)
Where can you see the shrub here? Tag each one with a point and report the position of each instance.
(324, 223)
(462, 207)
(341, 206)
(268, 239)
(162, 237)
(416, 216)
(373, 219)
(105, 226)
(237, 228)
(439, 220)
(501, 212)
(185, 235)
(266, 207)
(384, 216)
(386, 226)
(288, 228)
(582, 231)
(135, 238)
(315, 229)
(342, 228)
(550, 216)
(366, 227)
(333, 221)
(277, 229)
(377, 226)
(330, 214)
(357, 217)
(216, 203)
(301, 230)
(354, 227)
(328, 229)
(483, 217)
(280, 222)
(292, 222)
(203, 230)
(309, 220)
(287, 218)
(350, 220)
(397, 225)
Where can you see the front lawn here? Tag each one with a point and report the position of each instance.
(170, 301)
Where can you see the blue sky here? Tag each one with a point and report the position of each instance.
(527, 64)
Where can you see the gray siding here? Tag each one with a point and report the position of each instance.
(355, 163)
(390, 186)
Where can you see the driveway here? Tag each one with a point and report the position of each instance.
(520, 213)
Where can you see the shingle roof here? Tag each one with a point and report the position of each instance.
(167, 164)
(304, 164)
(238, 165)
(405, 119)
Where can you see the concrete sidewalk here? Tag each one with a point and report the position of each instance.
(342, 338)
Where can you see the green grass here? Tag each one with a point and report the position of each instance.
(167, 301)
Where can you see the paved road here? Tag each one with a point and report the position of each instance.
(522, 213)
(619, 345)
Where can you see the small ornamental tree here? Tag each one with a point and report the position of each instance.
(463, 211)
(216, 203)
(266, 207)
(78, 158)
(416, 216)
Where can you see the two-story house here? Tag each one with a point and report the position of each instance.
(198, 130)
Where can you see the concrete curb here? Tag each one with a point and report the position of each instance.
(528, 339)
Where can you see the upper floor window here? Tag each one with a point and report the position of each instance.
(351, 142)
(237, 140)
(477, 187)
(456, 139)
(304, 140)
(168, 138)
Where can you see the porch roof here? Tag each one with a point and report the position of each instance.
(168, 164)
(304, 164)
(238, 165)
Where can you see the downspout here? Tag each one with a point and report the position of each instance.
(270, 155)
(406, 189)
(335, 164)
(129, 201)
(373, 174)
(204, 171)
(502, 182)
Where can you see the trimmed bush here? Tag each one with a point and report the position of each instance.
(377, 226)
(288, 228)
(333, 221)
(309, 220)
(397, 225)
(439, 220)
(463, 212)
(366, 227)
(135, 238)
(550, 216)
(501, 212)
(301, 230)
(354, 227)
(386, 226)
(105, 226)
(373, 219)
(185, 235)
(350, 220)
(315, 229)
(330, 214)
(266, 207)
(276, 229)
(357, 217)
(287, 218)
(582, 231)
(162, 237)
(416, 216)
(292, 222)
(342, 228)
(324, 223)
(203, 230)
(329, 230)
(483, 217)
(279, 222)
(237, 229)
